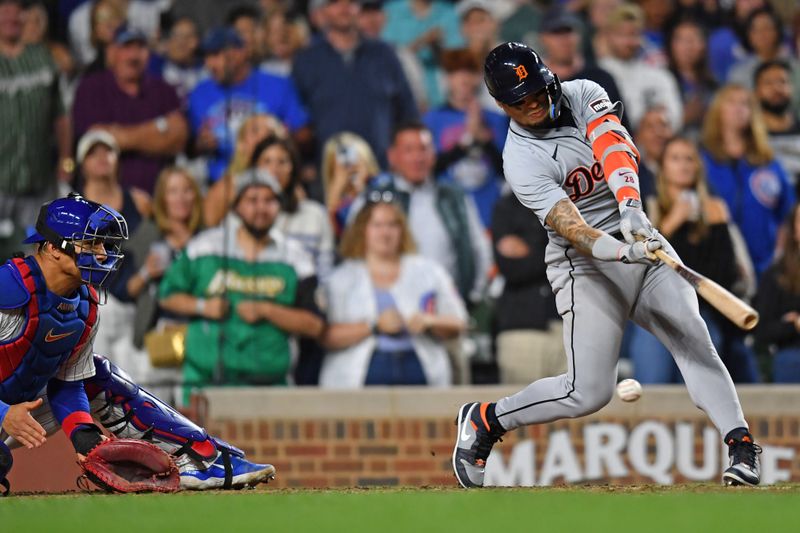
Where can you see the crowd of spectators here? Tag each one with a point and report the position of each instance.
(315, 191)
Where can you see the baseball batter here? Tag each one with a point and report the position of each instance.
(568, 158)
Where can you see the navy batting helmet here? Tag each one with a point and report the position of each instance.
(512, 71)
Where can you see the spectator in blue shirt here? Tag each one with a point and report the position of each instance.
(742, 169)
(426, 27)
(469, 139)
(352, 83)
(235, 91)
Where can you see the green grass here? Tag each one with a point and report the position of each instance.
(644, 509)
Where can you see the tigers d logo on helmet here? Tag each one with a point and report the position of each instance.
(522, 72)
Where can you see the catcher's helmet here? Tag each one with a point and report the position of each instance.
(69, 222)
(512, 71)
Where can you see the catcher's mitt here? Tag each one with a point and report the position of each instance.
(130, 465)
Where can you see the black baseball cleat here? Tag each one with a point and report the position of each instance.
(745, 467)
(474, 442)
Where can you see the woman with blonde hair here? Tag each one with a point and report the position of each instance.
(177, 217)
(388, 309)
(697, 225)
(742, 169)
(348, 164)
(253, 130)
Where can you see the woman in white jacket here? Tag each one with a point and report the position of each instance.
(388, 310)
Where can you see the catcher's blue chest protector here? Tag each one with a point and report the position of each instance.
(54, 329)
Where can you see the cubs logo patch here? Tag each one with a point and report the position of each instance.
(603, 104)
(522, 72)
(766, 187)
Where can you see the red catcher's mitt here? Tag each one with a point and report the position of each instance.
(130, 465)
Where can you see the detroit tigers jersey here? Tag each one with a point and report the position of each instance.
(544, 166)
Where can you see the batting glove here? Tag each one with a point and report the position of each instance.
(640, 252)
(633, 222)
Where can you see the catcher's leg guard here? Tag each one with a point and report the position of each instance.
(127, 410)
(6, 461)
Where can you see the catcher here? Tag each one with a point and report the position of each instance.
(50, 378)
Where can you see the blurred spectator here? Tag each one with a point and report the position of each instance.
(426, 27)
(741, 169)
(140, 111)
(688, 62)
(530, 341)
(705, 13)
(284, 37)
(726, 44)
(697, 225)
(598, 15)
(305, 221)
(522, 23)
(86, 19)
(657, 14)
(560, 37)
(371, 21)
(347, 165)
(642, 86)
(444, 221)
(479, 26)
(32, 116)
(246, 20)
(773, 89)
(180, 66)
(155, 245)
(765, 42)
(301, 219)
(469, 139)
(388, 309)
(352, 83)
(252, 131)
(236, 90)
(652, 134)
(35, 30)
(247, 291)
(778, 303)
(98, 178)
(106, 18)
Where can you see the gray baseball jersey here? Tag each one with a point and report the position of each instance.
(596, 298)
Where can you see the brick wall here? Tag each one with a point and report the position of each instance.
(404, 436)
(415, 452)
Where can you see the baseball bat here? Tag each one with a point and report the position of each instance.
(722, 300)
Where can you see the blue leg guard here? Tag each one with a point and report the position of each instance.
(129, 411)
(6, 462)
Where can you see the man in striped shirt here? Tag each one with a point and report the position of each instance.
(34, 123)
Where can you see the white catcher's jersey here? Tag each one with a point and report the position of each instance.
(544, 166)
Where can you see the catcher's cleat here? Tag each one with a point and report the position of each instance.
(745, 467)
(474, 442)
(227, 472)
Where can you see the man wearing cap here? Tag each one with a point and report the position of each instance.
(642, 86)
(560, 37)
(33, 121)
(142, 112)
(247, 290)
(235, 90)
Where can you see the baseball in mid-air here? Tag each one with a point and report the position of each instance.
(629, 390)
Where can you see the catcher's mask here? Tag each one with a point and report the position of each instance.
(77, 225)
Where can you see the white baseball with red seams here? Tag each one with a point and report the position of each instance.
(629, 390)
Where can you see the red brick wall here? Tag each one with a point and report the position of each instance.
(331, 453)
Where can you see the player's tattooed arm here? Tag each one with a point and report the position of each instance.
(565, 220)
